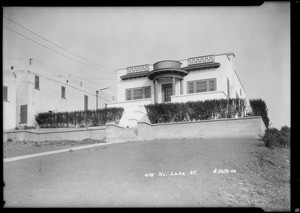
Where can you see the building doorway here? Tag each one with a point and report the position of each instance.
(167, 91)
(23, 114)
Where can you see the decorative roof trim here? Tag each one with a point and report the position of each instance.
(201, 66)
(134, 75)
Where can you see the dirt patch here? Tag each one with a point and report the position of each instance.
(16, 148)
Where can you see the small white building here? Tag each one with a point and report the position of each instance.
(192, 79)
(31, 87)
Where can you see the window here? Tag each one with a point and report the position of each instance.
(86, 99)
(228, 90)
(63, 92)
(202, 86)
(5, 91)
(236, 95)
(37, 82)
(191, 87)
(138, 93)
(240, 92)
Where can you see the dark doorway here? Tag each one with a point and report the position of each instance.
(167, 91)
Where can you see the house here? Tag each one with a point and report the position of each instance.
(31, 86)
(192, 79)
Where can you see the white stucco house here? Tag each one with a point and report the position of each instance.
(192, 79)
(31, 86)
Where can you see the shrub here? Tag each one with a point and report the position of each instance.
(86, 118)
(275, 137)
(259, 108)
(195, 110)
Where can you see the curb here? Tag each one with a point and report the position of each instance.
(50, 152)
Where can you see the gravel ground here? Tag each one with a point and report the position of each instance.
(169, 173)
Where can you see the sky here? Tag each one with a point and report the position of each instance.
(111, 38)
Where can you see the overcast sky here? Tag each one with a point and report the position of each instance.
(118, 37)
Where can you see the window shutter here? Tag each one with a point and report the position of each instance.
(147, 92)
(212, 85)
(128, 94)
(191, 87)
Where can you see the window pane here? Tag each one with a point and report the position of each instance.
(201, 86)
(86, 102)
(63, 92)
(37, 82)
(191, 87)
(128, 94)
(212, 85)
(147, 92)
(138, 94)
(4, 93)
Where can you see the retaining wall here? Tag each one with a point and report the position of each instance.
(56, 134)
(117, 134)
(247, 127)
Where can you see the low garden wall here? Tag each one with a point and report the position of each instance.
(117, 134)
(56, 134)
(246, 127)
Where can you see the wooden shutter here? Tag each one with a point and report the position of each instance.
(128, 94)
(147, 92)
(212, 85)
(191, 87)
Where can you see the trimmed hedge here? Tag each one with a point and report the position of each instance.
(196, 110)
(86, 118)
(259, 108)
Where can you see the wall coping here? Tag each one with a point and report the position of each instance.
(115, 126)
(57, 130)
(131, 101)
(201, 121)
(198, 94)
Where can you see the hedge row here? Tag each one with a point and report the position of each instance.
(86, 118)
(259, 108)
(197, 110)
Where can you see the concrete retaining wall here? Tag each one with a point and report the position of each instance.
(76, 134)
(117, 134)
(248, 127)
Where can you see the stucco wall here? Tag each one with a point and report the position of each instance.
(133, 111)
(48, 96)
(9, 106)
(98, 133)
(248, 127)
(117, 134)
